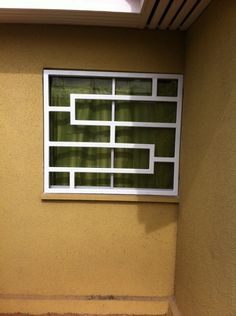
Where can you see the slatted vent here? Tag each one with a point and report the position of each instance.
(175, 14)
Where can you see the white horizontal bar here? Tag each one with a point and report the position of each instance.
(145, 124)
(59, 108)
(164, 159)
(101, 170)
(101, 145)
(123, 123)
(121, 97)
(102, 190)
(110, 74)
(78, 186)
(90, 123)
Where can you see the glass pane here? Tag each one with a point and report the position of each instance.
(61, 130)
(80, 157)
(95, 110)
(59, 179)
(131, 158)
(92, 179)
(139, 111)
(167, 87)
(161, 179)
(134, 86)
(62, 87)
(163, 138)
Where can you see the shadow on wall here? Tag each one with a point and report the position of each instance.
(155, 216)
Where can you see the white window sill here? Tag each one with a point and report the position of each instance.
(109, 197)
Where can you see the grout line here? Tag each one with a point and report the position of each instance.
(84, 297)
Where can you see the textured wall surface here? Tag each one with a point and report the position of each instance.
(75, 248)
(206, 252)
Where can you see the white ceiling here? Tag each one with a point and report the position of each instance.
(152, 14)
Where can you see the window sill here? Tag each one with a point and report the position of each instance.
(109, 198)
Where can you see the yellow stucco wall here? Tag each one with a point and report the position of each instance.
(75, 248)
(206, 252)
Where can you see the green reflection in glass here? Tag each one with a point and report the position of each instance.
(140, 111)
(132, 86)
(61, 130)
(61, 88)
(131, 158)
(167, 87)
(92, 179)
(161, 179)
(163, 138)
(58, 179)
(80, 157)
(96, 110)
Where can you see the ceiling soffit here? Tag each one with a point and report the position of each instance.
(151, 14)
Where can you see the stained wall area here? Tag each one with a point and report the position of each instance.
(64, 249)
(206, 253)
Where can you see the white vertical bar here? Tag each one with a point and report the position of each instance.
(112, 127)
(113, 86)
(112, 131)
(177, 134)
(72, 180)
(112, 166)
(154, 87)
(151, 158)
(46, 130)
(72, 110)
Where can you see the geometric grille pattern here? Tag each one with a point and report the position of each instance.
(136, 100)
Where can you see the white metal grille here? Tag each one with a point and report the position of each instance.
(112, 124)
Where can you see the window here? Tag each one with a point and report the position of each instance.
(111, 132)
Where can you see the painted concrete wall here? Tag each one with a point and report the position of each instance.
(75, 248)
(206, 252)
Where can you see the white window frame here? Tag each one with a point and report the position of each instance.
(151, 147)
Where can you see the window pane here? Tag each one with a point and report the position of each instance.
(80, 157)
(138, 111)
(92, 179)
(61, 130)
(133, 86)
(95, 110)
(161, 179)
(131, 158)
(167, 87)
(62, 87)
(58, 179)
(163, 138)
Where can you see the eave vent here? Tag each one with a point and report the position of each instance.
(175, 14)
